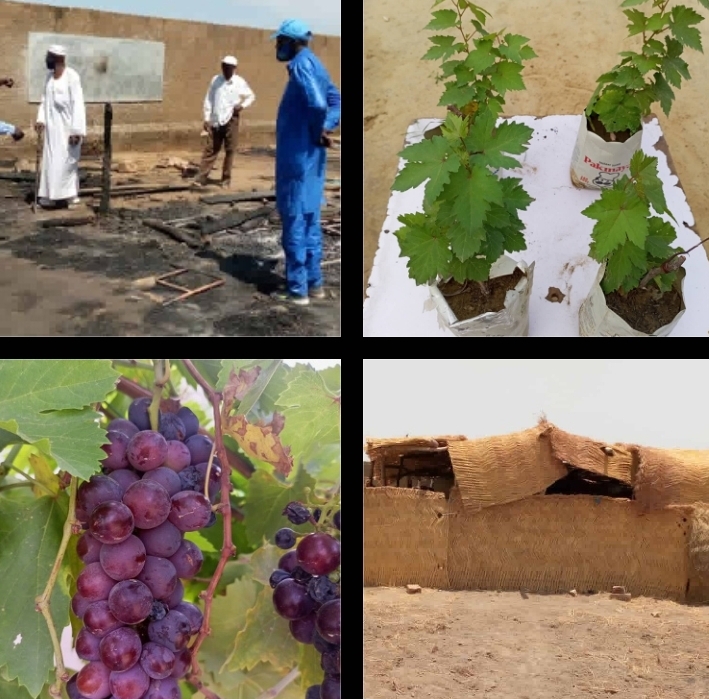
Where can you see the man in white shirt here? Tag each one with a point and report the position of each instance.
(62, 116)
(228, 94)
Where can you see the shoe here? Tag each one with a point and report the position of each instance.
(74, 203)
(288, 298)
(317, 293)
(46, 203)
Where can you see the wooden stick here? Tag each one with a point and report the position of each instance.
(172, 286)
(237, 196)
(129, 192)
(37, 172)
(173, 232)
(66, 222)
(233, 220)
(107, 155)
(176, 273)
(194, 292)
(331, 262)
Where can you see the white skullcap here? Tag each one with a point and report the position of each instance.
(57, 50)
(230, 60)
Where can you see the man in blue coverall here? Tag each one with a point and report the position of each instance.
(309, 111)
(9, 129)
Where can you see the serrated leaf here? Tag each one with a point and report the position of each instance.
(263, 509)
(494, 244)
(645, 63)
(620, 216)
(497, 217)
(43, 403)
(507, 76)
(513, 46)
(475, 269)
(514, 240)
(30, 532)
(487, 144)
(440, 40)
(454, 94)
(442, 19)
(526, 53)
(625, 268)
(705, 3)
(465, 243)
(675, 69)
(264, 561)
(657, 22)
(479, 12)
(479, 60)
(427, 250)
(209, 369)
(664, 93)
(637, 21)
(653, 47)
(643, 169)
(472, 194)
(454, 127)
(431, 159)
(261, 440)
(309, 665)
(448, 68)
(680, 25)
(514, 195)
(630, 77)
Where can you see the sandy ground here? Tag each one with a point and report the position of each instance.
(576, 41)
(448, 645)
(79, 280)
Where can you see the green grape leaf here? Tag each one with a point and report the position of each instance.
(620, 216)
(664, 93)
(210, 369)
(680, 25)
(263, 509)
(506, 76)
(637, 21)
(465, 243)
(265, 637)
(454, 128)
(657, 22)
(480, 12)
(250, 685)
(264, 561)
(494, 244)
(705, 3)
(653, 47)
(625, 267)
(309, 665)
(42, 402)
(630, 77)
(512, 47)
(645, 63)
(643, 169)
(476, 269)
(442, 19)
(514, 195)
(497, 217)
(30, 532)
(659, 241)
(675, 69)
(472, 193)
(630, 3)
(514, 240)
(426, 247)
(455, 94)
(442, 48)
(479, 60)
(526, 53)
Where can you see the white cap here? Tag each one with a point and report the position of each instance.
(230, 60)
(57, 50)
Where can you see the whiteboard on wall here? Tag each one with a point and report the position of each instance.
(111, 70)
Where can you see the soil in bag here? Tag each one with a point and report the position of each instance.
(595, 126)
(643, 311)
(472, 302)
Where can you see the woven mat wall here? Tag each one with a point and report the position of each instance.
(405, 537)
(555, 543)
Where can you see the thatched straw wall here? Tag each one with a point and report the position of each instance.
(405, 537)
(671, 477)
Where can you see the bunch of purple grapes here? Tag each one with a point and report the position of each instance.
(136, 626)
(306, 591)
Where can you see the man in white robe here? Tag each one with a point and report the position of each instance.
(62, 117)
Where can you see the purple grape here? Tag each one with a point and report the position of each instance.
(300, 575)
(138, 413)
(190, 511)
(214, 479)
(160, 576)
(189, 420)
(313, 692)
(200, 447)
(79, 605)
(173, 631)
(165, 477)
(192, 479)
(93, 681)
(87, 645)
(171, 427)
(212, 520)
(124, 560)
(321, 645)
(322, 589)
(159, 611)
(316, 514)
(71, 689)
(120, 649)
(129, 684)
(147, 450)
(285, 538)
(93, 584)
(111, 522)
(163, 540)
(130, 601)
(291, 600)
(328, 621)
(157, 661)
(303, 630)
(97, 490)
(121, 425)
(318, 554)
(149, 502)
(99, 619)
(288, 561)
(330, 663)
(125, 477)
(330, 688)
(163, 689)
(116, 457)
(187, 560)
(178, 456)
(297, 513)
(193, 614)
(336, 520)
(88, 548)
(183, 660)
(176, 597)
(277, 576)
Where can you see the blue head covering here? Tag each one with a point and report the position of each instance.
(294, 29)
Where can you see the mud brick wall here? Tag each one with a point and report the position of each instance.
(193, 53)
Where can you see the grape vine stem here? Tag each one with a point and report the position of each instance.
(162, 376)
(42, 602)
(228, 549)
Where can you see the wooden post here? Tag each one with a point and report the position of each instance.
(106, 178)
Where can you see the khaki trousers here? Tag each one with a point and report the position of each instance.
(226, 136)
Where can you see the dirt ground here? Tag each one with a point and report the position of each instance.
(575, 41)
(79, 280)
(449, 645)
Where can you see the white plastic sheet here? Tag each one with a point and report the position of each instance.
(558, 238)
